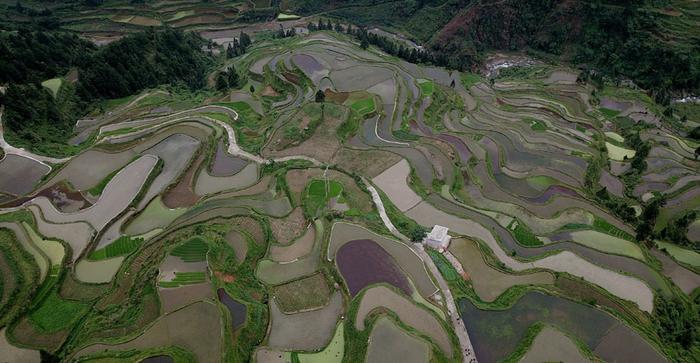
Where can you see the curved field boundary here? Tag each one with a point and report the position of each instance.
(406, 258)
(98, 272)
(308, 331)
(299, 248)
(607, 243)
(409, 313)
(202, 337)
(680, 254)
(489, 283)
(118, 194)
(77, 235)
(22, 236)
(389, 343)
(54, 250)
(551, 345)
(332, 353)
(207, 184)
(623, 286)
(15, 354)
(155, 215)
(275, 273)
(393, 183)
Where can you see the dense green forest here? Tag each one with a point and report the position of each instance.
(32, 57)
(36, 118)
(643, 40)
(623, 38)
(144, 60)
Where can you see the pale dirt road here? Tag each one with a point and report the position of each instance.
(466, 348)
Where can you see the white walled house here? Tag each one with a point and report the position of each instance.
(438, 238)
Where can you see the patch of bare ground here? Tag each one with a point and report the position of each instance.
(269, 92)
(322, 145)
(369, 163)
(286, 229)
(182, 194)
(443, 147)
(336, 97)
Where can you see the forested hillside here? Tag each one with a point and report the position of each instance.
(655, 43)
(652, 42)
(41, 118)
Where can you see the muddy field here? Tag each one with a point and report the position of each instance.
(410, 314)
(389, 343)
(363, 263)
(202, 336)
(488, 282)
(310, 330)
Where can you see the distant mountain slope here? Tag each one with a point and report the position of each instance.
(656, 43)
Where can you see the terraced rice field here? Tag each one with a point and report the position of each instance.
(416, 317)
(496, 333)
(237, 310)
(682, 255)
(306, 218)
(202, 336)
(308, 293)
(363, 263)
(311, 330)
(389, 343)
(342, 233)
(18, 174)
(175, 298)
(551, 345)
(488, 282)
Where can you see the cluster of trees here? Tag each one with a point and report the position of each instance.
(695, 133)
(623, 41)
(238, 47)
(386, 44)
(638, 163)
(32, 57)
(227, 79)
(619, 206)
(144, 60)
(282, 33)
(677, 322)
(677, 230)
(619, 38)
(641, 149)
(645, 228)
(33, 116)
